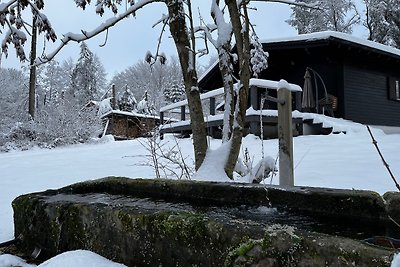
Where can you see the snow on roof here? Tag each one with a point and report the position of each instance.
(130, 113)
(338, 35)
(209, 69)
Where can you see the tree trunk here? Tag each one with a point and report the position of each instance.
(243, 49)
(185, 48)
(226, 70)
(32, 72)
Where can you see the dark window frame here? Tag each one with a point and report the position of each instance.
(394, 89)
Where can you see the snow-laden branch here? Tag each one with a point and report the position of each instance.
(292, 2)
(85, 35)
(6, 5)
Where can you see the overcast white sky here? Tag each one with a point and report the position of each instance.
(129, 40)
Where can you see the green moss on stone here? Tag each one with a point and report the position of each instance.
(182, 226)
(126, 220)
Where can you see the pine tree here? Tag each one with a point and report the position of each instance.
(382, 21)
(127, 101)
(393, 18)
(84, 83)
(334, 15)
(174, 92)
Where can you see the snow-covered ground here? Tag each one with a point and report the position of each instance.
(339, 161)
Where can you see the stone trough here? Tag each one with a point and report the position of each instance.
(142, 222)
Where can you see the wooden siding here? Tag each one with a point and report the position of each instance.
(366, 98)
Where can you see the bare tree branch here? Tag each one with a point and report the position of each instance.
(85, 35)
(382, 158)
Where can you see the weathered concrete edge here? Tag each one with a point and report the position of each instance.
(365, 206)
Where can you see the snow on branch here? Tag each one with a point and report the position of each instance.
(313, 5)
(85, 35)
(6, 5)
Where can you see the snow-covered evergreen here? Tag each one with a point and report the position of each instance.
(174, 92)
(144, 106)
(334, 15)
(127, 101)
(88, 76)
(382, 21)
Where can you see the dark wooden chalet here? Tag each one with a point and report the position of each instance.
(352, 78)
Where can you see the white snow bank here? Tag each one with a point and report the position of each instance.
(7, 260)
(338, 125)
(212, 168)
(396, 260)
(77, 258)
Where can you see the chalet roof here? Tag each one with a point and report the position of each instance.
(339, 37)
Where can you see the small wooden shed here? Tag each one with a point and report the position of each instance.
(129, 125)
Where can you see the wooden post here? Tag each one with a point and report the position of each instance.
(183, 113)
(161, 117)
(212, 106)
(212, 113)
(161, 124)
(254, 101)
(114, 100)
(285, 134)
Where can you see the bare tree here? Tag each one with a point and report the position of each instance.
(32, 71)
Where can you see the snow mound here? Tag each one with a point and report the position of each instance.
(338, 125)
(11, 260)
(77, 258)
(396, 260)
(212, 168)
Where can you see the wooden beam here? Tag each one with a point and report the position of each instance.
(253, 98)
(212, 105)
(285, 135)
(183, 113)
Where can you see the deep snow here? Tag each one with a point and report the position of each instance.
(337, 160)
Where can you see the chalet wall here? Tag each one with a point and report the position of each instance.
(366, 98)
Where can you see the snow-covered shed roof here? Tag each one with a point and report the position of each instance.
(129, 114)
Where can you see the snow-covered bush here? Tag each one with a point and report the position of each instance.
(54, 126)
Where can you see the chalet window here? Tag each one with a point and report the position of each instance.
(394, 88)
(397, 90)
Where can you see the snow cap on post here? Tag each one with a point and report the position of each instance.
(283, 84)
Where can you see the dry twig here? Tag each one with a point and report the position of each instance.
(383, 159)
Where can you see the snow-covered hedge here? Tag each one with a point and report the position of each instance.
(53, 126)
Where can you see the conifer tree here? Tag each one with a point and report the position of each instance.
(333, 15)
(84, 83)
(127, 101)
